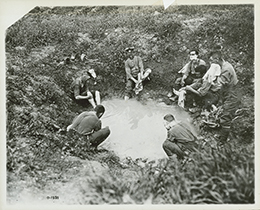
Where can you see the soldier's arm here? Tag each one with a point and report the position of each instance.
(98, 126)
(128, 72)
(77, 93)
(77, 121)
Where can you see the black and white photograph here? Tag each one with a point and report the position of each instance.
(122, 105)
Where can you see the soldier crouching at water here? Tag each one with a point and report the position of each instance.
(180, 139)
(88, 125)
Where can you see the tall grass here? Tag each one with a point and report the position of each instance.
(212, 177)
(39, 97)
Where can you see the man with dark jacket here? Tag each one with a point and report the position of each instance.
(188, 71)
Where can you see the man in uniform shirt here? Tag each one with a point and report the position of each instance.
(88, 124)
(135, 73)
(180, 139)
(229, 92)
(188, 71)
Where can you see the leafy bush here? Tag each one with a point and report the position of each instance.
(243, 125)
(39, 96)
(236, 38)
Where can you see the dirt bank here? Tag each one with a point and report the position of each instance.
(42, 168)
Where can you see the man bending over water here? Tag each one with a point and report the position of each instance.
(88, 125)
(180, 139)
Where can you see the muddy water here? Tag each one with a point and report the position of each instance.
(137, 130)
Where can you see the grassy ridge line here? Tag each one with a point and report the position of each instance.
(159, 37)
(36, 43)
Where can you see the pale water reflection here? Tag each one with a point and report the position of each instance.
(137, 130)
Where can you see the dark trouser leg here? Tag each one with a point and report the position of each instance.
(177, 84)
(190, 98)
(129, 87)
(99, 136)
(231, 104)
(209, 99)
(171, 148)
(189, 80)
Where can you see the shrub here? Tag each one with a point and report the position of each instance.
(217, 177)
(243, 125)
(39, 102)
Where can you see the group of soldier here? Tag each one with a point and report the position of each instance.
(200, 85)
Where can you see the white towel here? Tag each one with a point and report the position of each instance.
(212, 73)
(181, 99)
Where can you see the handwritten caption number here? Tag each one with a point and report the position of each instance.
(53, 197)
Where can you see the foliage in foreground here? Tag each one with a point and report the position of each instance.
(39, 101)
(212, 177)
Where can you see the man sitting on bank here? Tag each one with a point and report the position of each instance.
(188, 71)
(135, 73)
(85, 89)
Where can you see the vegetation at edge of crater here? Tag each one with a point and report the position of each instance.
(39, 96)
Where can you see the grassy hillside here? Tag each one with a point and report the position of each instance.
(39, 101)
